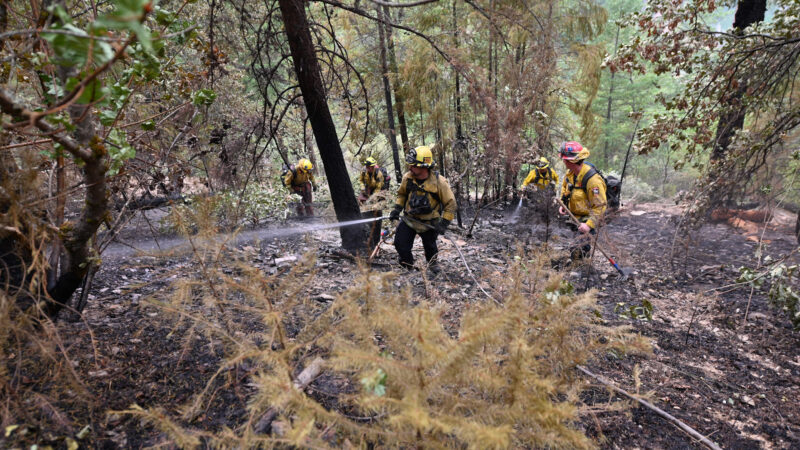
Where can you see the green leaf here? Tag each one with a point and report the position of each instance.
(203, 97)
(375, 383)
(119, 150)
(149, 125)
(92, 92)
(163, 16)
(127, 16)
(74, 50)
(54, 88)
(107, 117)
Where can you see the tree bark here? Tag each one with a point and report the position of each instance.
(387, 92)
(748, 12)
(309, 78)
(399, 100)
(610, 99)
(75, 237)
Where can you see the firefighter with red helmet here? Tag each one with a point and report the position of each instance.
(584, 192)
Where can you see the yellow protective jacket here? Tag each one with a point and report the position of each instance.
(436, 188)
(587, 202)
(539, 180)
(372, 182)
(298, 177)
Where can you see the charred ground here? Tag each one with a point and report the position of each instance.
(735, 381)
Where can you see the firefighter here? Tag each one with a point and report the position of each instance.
(375, 180)
(584, 193)
(543, 176)
(301, 181)
(428, 207)
(545, 180)
(371, 178)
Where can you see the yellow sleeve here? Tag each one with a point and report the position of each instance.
(555, 176)
(362, 179)
(311, 178)
(596, 194)
(529, 179)
(402, 193)
(448, 200)
(564, 188)
(287, 180)
(378, 181)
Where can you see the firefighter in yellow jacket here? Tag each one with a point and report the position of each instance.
(584, 192)
(542, 176)
(371, 178)
(301, 181)
(428, 207)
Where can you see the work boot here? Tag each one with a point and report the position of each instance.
(434, 268)
(309, 211)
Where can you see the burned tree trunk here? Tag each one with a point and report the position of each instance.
(309, 79)
(748, 12)
(387, 92)
(399, 100)
(797, 228)
(75, 237)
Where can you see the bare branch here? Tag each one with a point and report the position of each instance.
(402, 5)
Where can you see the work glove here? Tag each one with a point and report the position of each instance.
(314, 187)
(395, 214)
(441, 225)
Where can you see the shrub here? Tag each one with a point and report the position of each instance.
(502, 376)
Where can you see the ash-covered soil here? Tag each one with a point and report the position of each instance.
(736, 381)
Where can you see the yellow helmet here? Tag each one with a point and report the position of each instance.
(370, 162)
(305, 165)
(420, 157)
(542, 163)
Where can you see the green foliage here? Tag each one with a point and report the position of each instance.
(642, 312)
(127, 15)
(72, 50)
(119, 150)
(203, 97)
(782, 280)
(633, 188)
(376, 383)
(257, 203)
(743, 108)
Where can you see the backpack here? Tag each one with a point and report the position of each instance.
(419, 204)
(386, 178)
(285, 171)
(613, 185)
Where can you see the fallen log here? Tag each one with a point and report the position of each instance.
(752, 215)
(303, 379)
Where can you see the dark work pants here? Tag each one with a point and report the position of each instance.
(304, 191)
(404, 240)
(584, 246)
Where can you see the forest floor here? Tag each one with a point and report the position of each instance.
(733, 380)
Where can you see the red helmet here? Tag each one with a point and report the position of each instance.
(571, 151)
